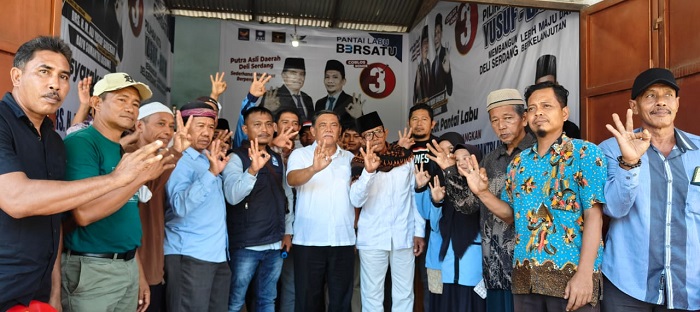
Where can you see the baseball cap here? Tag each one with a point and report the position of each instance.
(652, 76)
(118, 81)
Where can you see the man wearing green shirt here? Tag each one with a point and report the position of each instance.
(100, 267)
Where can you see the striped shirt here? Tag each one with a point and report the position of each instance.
(652, 254)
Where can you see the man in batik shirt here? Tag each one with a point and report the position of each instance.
(551, 189)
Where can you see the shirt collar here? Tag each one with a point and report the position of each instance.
(338, 150)
(193, 153)
(19, 113)
(527, 141)
(562, 141)
(683, 142)
(9, 99)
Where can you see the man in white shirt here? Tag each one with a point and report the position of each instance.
(389, 220)
(324, 238)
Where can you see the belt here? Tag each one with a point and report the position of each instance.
(126, 256)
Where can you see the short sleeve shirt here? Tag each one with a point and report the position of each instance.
(549, 195)
(91, 154)
(28, 245)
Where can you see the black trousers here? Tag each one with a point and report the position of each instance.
(314, 266)
(196, 285)
(536, 302)
(157, 298)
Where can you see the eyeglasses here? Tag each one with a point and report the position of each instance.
(376, 133)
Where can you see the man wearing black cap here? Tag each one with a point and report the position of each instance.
(652, 194)
(440, 69)
(383, 186)
(337, 100)
(422, 85)
(290, 95)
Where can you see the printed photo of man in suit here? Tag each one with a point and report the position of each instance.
(336, 100)
(290, 95)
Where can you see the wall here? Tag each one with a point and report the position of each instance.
(197, 45)
(24, 20)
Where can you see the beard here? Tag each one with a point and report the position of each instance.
(541, 133)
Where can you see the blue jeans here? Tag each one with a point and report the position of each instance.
(245, 264)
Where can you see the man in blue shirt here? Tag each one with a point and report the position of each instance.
(651, 258)
(551, 190)
(195, 223)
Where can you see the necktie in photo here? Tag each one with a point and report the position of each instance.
(300, 106)
(331, 100)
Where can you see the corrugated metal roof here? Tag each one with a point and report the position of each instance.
(367, 15)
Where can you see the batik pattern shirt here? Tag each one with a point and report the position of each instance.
(549, 195)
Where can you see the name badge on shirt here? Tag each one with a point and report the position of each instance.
(276, 164)
(696, 177)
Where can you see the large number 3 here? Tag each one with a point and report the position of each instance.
(464, 16)
(379, 85)
(465, 27)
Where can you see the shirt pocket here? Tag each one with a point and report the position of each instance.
(692, 203)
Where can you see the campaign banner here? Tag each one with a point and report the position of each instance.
(373, 66)
(463, 51)
(116, 36)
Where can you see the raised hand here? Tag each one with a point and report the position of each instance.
(355, 108)
(632, 145)
(181, 138)
(422, 176)
(371, 159)
(257, 87)
(285, 139)
(476, 177)
(443, 158)
(258, 157)
(406, 139)
(224, 136)
(446, 60)
(437, 192)
(217, 158)
(272, 101)
(218, 85)
(321, 157)
(84, 91)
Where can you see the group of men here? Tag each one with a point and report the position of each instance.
(174, 217)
